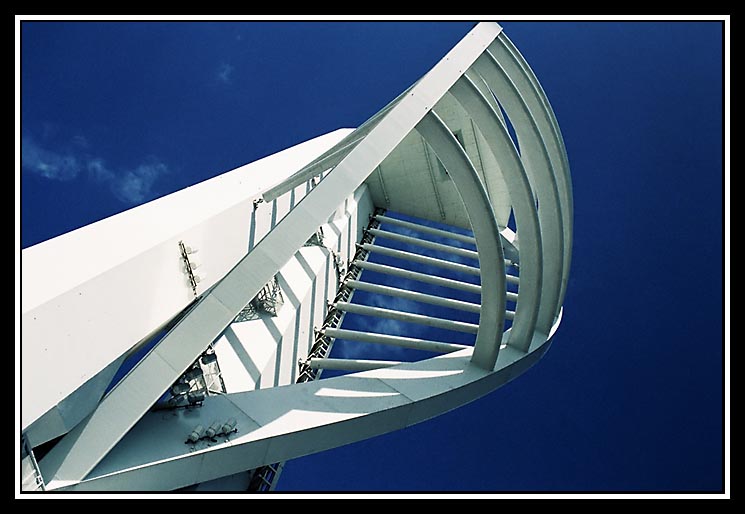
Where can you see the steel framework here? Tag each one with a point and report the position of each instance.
(223, 357)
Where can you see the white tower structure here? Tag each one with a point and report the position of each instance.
(180, 344)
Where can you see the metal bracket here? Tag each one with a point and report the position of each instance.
(188, 267)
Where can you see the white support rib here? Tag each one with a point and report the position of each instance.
(522, 75)
(458, 326)
(426, 230)
(400, 341)
(350, 364)
(485, 230)
(523, 202)
(542, 178)
(416, 296)
(483, 88)
(463, 252)
(421, 277)
(422, 259)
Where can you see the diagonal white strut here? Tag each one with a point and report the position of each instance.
(422, 259)
(421, 277)
(420, 297)
(508, 246)
(463, 252)
(350, 364)
(400, 341)
(427, 230)
(431, 321)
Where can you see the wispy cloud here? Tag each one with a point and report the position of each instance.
(429, 237)
(130, 186)
(357, 350)
(98, 171)
(81, 141)
(225, 73)
(135, 185)
(46, 163)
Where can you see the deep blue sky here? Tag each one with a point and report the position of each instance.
(630, 396)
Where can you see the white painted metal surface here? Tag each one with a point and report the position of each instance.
(441, 151)
(263, 351)
(281, 423)
(114, 274)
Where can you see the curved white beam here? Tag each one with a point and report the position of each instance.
(282, 423)
(485, 231)
(567, 185)
(538, 166)
(483, 88)
(523, 203)
(535, 98)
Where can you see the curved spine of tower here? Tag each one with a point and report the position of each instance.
(195, 342)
